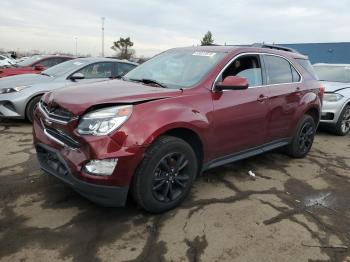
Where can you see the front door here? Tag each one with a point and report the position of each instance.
(240, 116)
(100, 71)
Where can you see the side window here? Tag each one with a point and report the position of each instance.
(123, 68)
(248, 66)
(296, 76)
(57, 61)
(45, 63)
(98, 70)
(279, 70)
(49, 62)
(63, 59)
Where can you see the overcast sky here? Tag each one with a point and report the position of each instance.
(156, 25)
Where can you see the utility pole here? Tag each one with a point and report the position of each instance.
(103, 37)
(76, 46)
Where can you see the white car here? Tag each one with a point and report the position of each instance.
(336, 100)
(18, 60)
(5, 61)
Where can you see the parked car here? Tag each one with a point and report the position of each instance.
(20, 94)
(182, 112)
(21, 59)
(33, 65)
(5, 61)
(336, 101)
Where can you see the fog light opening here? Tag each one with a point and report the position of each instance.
(103, 167)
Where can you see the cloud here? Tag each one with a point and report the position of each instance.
(156, 25)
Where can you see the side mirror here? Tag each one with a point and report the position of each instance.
(232, 83)
(39, 67)
(77, 76)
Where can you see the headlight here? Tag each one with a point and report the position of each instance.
(332, 97)
(12, 89)
(104, 121)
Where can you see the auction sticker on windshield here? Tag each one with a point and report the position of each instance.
(210, 54)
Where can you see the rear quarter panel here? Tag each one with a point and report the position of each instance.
(310, 99)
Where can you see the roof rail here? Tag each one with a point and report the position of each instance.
(277, 47)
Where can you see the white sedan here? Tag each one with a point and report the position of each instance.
(5, 61)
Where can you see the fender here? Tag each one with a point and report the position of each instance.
(164, 115)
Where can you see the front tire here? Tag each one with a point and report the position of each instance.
(303, 139)
(342, 127)
(165, 176)
(30, 108)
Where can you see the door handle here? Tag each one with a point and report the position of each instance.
(262, 98)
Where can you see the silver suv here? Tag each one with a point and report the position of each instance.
(336, 100)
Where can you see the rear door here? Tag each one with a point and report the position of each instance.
(284, 83)
(240, 116)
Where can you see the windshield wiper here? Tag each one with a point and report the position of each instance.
(44, 74)
(149, 81)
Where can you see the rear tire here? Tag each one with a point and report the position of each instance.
(342, 127)
(303, 139)
(165, 176)
(30, 108)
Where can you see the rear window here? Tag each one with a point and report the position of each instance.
(305, 63)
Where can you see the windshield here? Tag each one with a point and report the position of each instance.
(65, 68)
(29, 60)
(333, 73)
(176, 68)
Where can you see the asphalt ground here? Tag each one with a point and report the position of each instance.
(292, 210)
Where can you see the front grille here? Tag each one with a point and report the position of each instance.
(56, 112)
(61, 136)
(51, 162)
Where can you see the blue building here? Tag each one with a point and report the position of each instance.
(336, 53)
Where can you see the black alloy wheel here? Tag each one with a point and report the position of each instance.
(170, 177)
(306, 137)
(303, 139)
(166, 174)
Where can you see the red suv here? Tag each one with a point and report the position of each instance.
(183, 112)
(34, 65)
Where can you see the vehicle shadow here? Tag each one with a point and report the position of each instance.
(14, 122)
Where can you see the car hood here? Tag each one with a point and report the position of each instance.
(332, 87)
(77, 99)
(27, 79)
